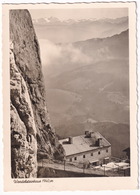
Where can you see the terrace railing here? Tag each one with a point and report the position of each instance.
(80, 167)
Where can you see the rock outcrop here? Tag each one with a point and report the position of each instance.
(32, 136)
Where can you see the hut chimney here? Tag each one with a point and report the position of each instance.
(86, 133)
(99, 141)
(70, 140)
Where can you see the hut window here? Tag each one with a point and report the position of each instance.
(99, 152)
(84, 156)
(75, 158)
(91, 154)
(106, 150)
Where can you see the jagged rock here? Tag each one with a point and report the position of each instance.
(32, 136)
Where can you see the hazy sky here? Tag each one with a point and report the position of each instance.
(63, 14)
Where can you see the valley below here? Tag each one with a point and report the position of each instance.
(87, 84)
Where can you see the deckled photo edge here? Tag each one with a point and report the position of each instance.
(62, 184)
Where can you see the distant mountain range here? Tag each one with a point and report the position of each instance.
(76, 30)
(56, 21)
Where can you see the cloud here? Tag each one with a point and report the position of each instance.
(61, 54)
(49, 52)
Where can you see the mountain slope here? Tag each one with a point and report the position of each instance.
(101, 85)
(115, 46)
(70, 56)
(90, 80)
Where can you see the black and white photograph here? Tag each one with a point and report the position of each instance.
(70, 92)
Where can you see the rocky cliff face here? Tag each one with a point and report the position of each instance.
(32, 136)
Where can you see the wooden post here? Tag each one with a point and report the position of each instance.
(118, 171)
(104, 170)
(64, 164)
